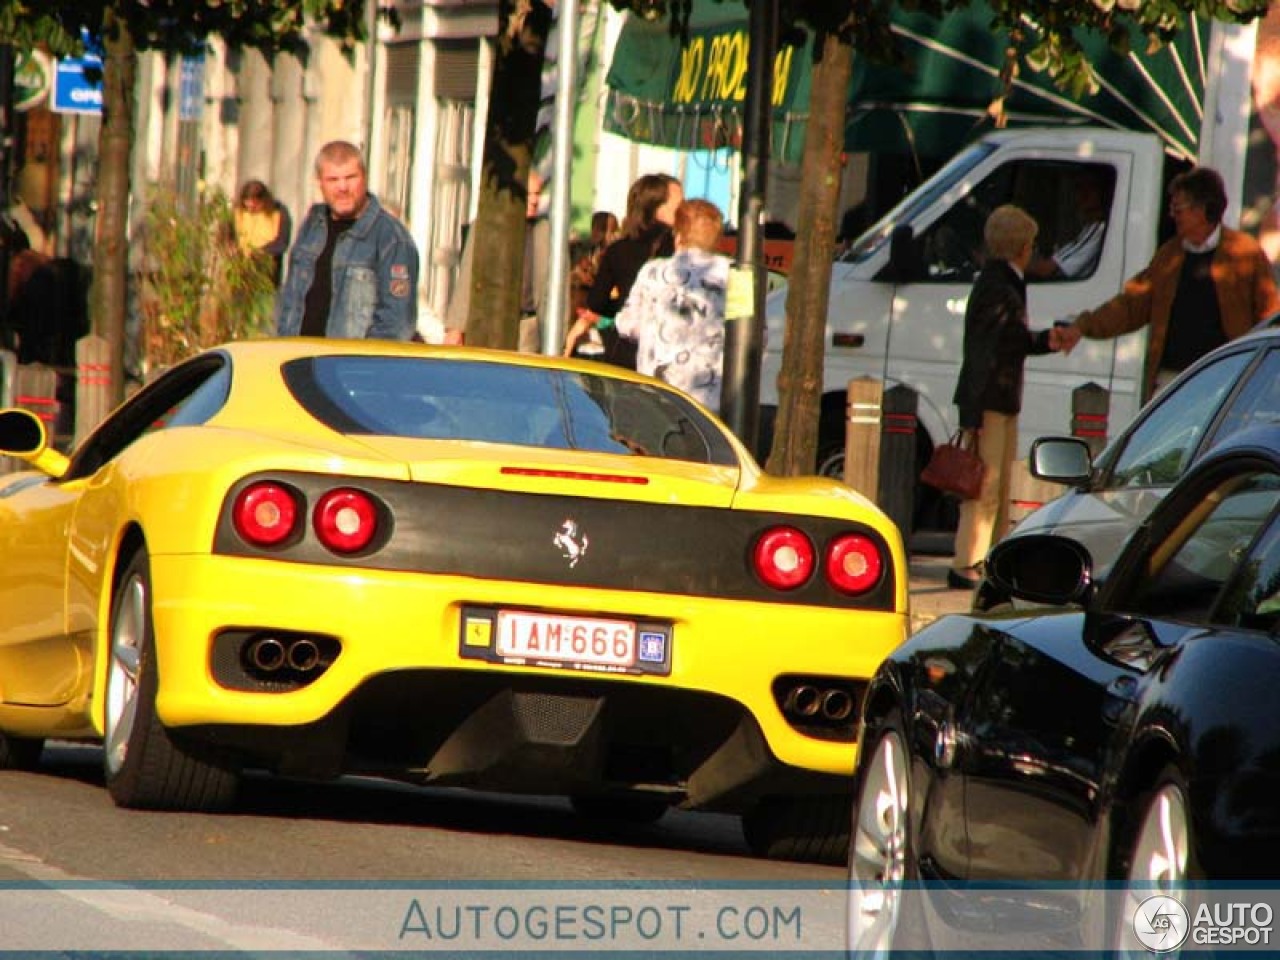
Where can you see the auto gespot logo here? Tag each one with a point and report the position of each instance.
(1163, 924)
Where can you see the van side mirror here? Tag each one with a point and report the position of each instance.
(905, 264)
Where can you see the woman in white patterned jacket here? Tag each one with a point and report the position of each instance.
(676, 307)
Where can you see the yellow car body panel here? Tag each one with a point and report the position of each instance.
(389, 621)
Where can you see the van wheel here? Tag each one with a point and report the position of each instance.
(811, 829)
(145, 767)
(831, 461)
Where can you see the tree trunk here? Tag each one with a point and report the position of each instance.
(108, 301)
(497, 263)
(795, 436)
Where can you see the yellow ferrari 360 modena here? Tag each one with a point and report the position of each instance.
(445, 566)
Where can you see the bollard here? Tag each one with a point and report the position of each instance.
(36, 389)
(93, 384)
(1090, 410)
(899, 472)
(8, 374)
(862, 436)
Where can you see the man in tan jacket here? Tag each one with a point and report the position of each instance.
(1205, 286)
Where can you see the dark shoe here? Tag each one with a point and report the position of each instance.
(958, 581)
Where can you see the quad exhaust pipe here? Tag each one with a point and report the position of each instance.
(269, 654)
(803, 700)
(809, 701)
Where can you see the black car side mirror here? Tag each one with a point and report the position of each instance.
(1041, 568)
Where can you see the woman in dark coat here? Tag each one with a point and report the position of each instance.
(646, 233)
(997, 341)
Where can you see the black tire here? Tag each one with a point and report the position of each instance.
(933, 509)
(830, 461)
(620, 807)
(20, 753)
(145, 767)
(808, 829)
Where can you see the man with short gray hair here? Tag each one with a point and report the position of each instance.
(353, 271)
(1206, 285)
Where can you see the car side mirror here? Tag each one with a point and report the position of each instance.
(1061, 460)
(1041, 568)
(23, 435)
(904, 258)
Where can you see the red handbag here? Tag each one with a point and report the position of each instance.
(955, 467)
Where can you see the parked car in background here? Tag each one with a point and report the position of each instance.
(1231, 389)
(444, 566)
(1134, 741)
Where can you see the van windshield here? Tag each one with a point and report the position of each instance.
(916, 201)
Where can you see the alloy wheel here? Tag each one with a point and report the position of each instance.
(1159, 868)
(1162, 845)
(878, 850)
(127, 634)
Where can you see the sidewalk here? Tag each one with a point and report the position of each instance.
(930, 558)
(930, 596)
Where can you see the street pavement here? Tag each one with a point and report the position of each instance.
(930, 558)
(930, 596)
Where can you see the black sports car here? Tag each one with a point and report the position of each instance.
(1133, 741)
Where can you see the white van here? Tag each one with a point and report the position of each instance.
(910, 330)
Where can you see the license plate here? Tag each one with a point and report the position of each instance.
(571, 640)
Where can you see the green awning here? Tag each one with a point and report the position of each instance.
(692, 98)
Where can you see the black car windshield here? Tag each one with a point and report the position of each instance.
(445, 399)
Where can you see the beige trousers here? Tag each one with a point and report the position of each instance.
(985, 520)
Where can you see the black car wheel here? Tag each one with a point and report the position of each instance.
(810, 829)
(880, 856)
(145, 767)
(19, 753)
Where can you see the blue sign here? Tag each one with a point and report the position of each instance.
(73, 91)
(191, 88)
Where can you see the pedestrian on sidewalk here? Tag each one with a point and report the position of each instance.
(353, 271)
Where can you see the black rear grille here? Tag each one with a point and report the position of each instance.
(552, 718)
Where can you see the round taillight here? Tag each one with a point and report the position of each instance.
(783, 558)
(345, 520)
(854, 563)
(265, 514)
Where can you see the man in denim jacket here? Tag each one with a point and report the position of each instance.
(353, 271)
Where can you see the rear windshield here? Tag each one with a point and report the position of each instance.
(442, 399)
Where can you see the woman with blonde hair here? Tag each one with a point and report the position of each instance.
(262, 224)
(997, 341)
